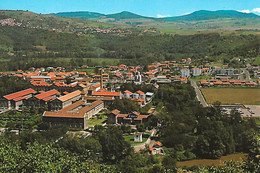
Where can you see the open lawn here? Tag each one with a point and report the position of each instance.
(96, 121)
(257, 61)
(201, 77)
(250, 96)
(209, 162)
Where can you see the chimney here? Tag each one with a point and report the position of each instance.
(101, 79)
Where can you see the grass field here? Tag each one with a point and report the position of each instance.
(209, 162)
(257, 61)
(96, 121)
(250, 96)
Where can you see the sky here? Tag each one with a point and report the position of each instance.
(152, 8)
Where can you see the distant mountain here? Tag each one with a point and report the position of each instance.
(195, 16)
(94, 15)
(125, 15)
(207, 15)
(79, 14)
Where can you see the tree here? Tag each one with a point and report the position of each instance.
(114, 146)
(140, 127)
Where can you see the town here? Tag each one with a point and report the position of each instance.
(120, 91)
(73, 98)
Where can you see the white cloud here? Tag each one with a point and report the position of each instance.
(244, 11)
(187, 13)
(162, 16)
(256, 10)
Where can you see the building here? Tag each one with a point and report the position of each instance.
(138, 78)
(138, 137)
(161, 80)
(196, 71)
(131, 118)
(128, 94)
(157, 149)
(75, 115)
(16, 100)
(42, 99)
(185, 72)
(64, 101)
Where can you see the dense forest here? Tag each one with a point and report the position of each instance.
(10, 85)
(25, 47)
(196, 132)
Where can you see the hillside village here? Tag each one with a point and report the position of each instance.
(55, 89)
(128, 93)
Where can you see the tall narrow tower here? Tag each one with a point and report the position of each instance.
(101, 78)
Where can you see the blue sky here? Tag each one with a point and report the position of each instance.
(153, 8)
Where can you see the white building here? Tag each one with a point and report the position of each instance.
(196, 71)
(185, 72)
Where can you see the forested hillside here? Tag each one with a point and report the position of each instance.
(29, 47)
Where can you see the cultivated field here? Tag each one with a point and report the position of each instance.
(250, 96)
(210, 162)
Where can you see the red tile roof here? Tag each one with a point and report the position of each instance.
(128, 92)
(48, 99)
(105, 93)
(64, 113)
(116, 112)
(97, 85)
(20, 98)
(47, 94)
(140, 92)
(70, 96)
(20, 94)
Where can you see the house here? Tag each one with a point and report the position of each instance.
(127, 94)
(131, 118)
(16, 100)
(75, 116)
(138, 137)
(157, 149)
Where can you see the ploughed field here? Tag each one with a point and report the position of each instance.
(250, 96)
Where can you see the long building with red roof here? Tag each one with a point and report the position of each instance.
(16, 100)
(76, 115)
(43, 99)
(64, 101)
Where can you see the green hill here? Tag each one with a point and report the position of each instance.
(125, 15)
(207, 15)
(79, 14)
(198, 20)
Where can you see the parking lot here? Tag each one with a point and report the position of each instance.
(254, 109)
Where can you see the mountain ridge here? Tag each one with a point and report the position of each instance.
(196, 15)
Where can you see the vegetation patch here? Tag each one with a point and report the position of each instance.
(232, 95)
(209, 162)
(97, 120)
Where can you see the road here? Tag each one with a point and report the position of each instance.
(200, 97)
(248, 79)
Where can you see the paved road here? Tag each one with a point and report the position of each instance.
(248, 79)
(200, 97)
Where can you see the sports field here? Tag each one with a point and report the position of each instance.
(250, 96)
